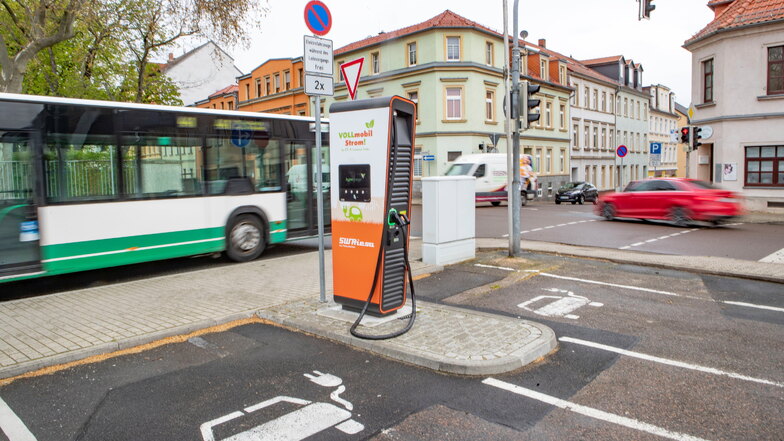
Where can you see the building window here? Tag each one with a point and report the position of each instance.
(452, 48)
(258, 87)
(489, 53)
(548, 115)
(231, 105)
(595, 137)
(454, 103)
(587, 137)
(489, 105)
(562, 160)
(562, 74)
(374, 63)
(287, 80)
(562, 116)
(626, 107)
(604, 101)
(543, 69)
(765, 166)
(267, 86)
(277, 83)
(775, 70)
(418, 162)
(451, 156)
(587, 103)
(247, 91)
(301, 81)
(707, 81)
(413, 95)
(412, 54)
(595, 99)
(576, 135)
(548, 161)
(340, 71)
(604, 138)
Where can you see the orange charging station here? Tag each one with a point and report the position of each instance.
(372, 165)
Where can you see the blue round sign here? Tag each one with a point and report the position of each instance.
(317, 17)
(241, 135)
(621, 151)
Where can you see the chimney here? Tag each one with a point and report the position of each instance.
(171, 57)
(543, 43)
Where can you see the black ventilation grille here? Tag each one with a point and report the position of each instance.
(394, 279)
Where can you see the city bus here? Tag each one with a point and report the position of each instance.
(92, 184)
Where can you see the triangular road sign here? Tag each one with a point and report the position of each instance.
(351, 71)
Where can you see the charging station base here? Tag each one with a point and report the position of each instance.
(337, 312)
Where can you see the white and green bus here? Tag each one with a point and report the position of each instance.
(93, 184)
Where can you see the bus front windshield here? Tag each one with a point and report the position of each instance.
(459, 170)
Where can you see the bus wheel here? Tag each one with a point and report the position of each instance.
(246, 240)
(495, 203)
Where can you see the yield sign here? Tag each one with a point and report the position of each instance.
(351, 71)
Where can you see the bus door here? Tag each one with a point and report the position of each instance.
(301, 187)
(19, 236)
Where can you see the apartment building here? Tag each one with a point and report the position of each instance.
(275, 86)
(200, 72)
(738, 90)
(663, 129)
(224, 99)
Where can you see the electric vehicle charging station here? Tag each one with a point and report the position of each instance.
(371, 163)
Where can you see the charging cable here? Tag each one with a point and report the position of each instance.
(403, 222)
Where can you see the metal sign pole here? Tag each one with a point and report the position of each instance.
(320, 201)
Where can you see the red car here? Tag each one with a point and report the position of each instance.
(679, 200)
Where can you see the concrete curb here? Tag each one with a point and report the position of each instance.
(719, 266)
(543, 342)
(105, 348)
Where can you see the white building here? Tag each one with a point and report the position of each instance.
(631, 116)
(662, 128)
(201, 71)
(738, 90)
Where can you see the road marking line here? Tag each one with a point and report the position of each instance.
(494, 267)
(651, 240)
(667, 293)
(750, 305)
(654, 240)
(589, 411)
(13, 427)
(548, 227)
(638, 244)
(523, 232)
(666, 361)
(777, 257)
(625, 248)
(561, 225)
(537, 229)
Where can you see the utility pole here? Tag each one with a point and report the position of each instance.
(514, 194)
(508, 132)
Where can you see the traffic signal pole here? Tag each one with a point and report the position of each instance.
(514, 201)
(508, 104)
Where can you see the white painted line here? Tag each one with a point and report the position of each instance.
(651, 240)
(777, 257)
(505, 235)
(537, 229)
(494, 267)
(750, 305)
(590, 412)
(625, 248)
(13, 427)
(638, 244)
(524, 232)
(561, 225)
(669, 362)
(551, 226)
(636, 288)
(663, 237)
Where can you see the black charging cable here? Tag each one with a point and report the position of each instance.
(403, 222)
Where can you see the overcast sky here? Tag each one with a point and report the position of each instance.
(583, 29)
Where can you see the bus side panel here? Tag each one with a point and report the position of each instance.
(98, 235)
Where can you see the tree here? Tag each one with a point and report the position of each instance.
(30, 26)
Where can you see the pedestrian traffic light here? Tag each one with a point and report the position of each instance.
(646, 6)
(528, 104)
(685, 135)
(695, 137)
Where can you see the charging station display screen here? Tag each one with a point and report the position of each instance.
(354, 182)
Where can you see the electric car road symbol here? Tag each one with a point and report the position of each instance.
(562, 306)
(306, 421)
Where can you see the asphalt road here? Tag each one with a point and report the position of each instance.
(642, 352)
(578, 225)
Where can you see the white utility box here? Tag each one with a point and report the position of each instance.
(448, 219)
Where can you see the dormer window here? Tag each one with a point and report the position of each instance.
(543, 69)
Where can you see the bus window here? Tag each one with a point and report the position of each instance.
(162, 166)
(80, 168)
(258, 160)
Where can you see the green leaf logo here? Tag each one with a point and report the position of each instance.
(370, 124)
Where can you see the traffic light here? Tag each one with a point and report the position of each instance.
(646, 7)
(695, 137)
(685, 135)
(528, 104)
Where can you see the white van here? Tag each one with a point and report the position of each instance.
(490, 172)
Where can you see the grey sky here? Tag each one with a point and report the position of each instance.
(581, 28)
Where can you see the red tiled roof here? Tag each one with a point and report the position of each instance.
(579, 66)
(225, 91)
(740, 13)
(446, 19)
(714, 3)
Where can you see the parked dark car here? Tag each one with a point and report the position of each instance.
(678, 200)
(577, 192)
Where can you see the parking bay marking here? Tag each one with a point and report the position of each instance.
(637, 244)
(590, 412)
(666, 361)
(553, 226)
(13, 427)
(563, 306)
(666, 293)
